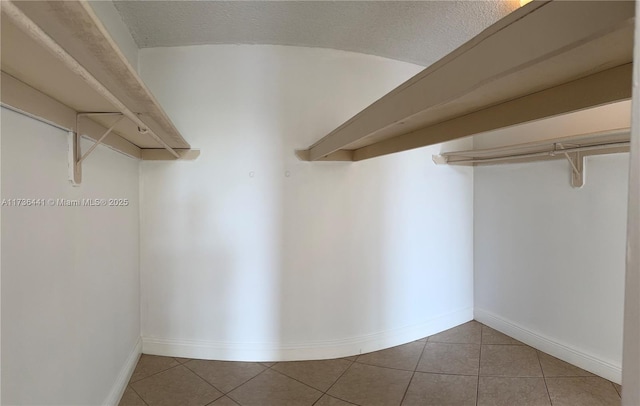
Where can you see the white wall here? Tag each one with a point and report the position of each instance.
(248, 253)
(550, 259)
(70, 280)
(112, 21)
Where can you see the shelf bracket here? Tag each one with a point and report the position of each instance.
(576, 160)
(75, 151)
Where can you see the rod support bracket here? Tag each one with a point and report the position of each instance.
(576, 160)
(439, 159)
(75, 168)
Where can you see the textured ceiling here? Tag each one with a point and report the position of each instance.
(420, 32)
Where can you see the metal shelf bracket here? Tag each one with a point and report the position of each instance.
(577, 162)
(76, 157)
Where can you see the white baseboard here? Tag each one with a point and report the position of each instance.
(225, 351)
(123, 377)
(546, 344)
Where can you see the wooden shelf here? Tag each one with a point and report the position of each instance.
(59, 60)
(543, 60)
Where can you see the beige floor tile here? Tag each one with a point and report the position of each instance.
(176, 386)
(553, 367)
(152, 364)
(131, 398)
(583, 391)
(618, 388)
(441, 390)
(224, 401)
(401, 357)
(317, 374)
(510, 374)
(444, 358)
(372, 386)
(498, 391)
(421, 340)
(327, 400)
(467, 333)
(509, 360)
(274, 389)
(225, 376)
(491, 336)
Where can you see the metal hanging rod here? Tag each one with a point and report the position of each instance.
(98, 113)
(575, 155)
(551, 152)
(37, 34)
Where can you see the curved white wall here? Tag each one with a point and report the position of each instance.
(249, 254)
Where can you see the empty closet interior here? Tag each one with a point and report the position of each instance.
(236, 192)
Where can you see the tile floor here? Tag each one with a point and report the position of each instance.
(471, 364)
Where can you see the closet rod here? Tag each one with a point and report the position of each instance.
(551, 152)
(36, 33)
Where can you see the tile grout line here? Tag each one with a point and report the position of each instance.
(335, 397)
(479, 363)
(508, 345)
(209, 383)
(225, 394)
(544, 377)
(336, 381)
(247, 381)
(139, 395)
(579, 376)
(299, 381)
(129, 384)
(523, 376)
(290, 377)
(503, 345)
(217, 399)
(155, 373)
(614, 387)
(414, 372)
(396, 369)
(379, 366)
(450, 374)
